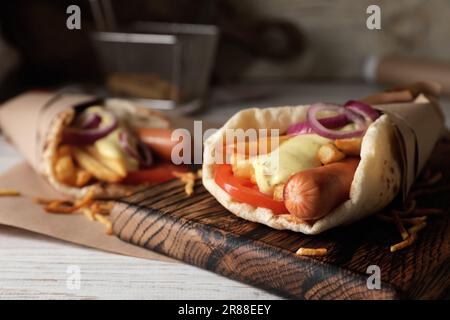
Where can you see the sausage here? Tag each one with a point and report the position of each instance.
(159, 141)
(313, 193)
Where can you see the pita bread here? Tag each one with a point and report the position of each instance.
(375, 184)
(134, 117)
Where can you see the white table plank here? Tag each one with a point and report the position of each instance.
(33, 266)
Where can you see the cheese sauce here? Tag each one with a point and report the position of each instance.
(294, 155)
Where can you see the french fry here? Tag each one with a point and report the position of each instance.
(85, 200)
(278, 192)
(9, 193)
(63, 206)
(64, 150)
(65, 170)
(405, 243)
(416, 228)
(101, 207)
(415, 220)
(311, 252)
(115, 164)
(351, 147)
(93, 166)
(328, 153)
(252, 148)
(82, 178)
(189, 179)
(242, 168)
(87, 212)
(105, 221)
(59, 206)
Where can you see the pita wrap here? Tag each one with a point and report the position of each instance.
(45, 117)
(377, 180)
(126, 111)
(375, 184)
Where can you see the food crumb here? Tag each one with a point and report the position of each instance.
(9, 193)
(189, 180)
(311, 252)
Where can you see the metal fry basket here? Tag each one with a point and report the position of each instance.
(161, 65)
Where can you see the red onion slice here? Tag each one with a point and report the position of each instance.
(79, 136)
(146, 156)
(330, 123)
(127, 145)
(330, 133)
(363, 109)
(89, 120)
(139, 151)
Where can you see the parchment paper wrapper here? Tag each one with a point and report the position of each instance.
(22, 213)
(24, 121)
(419, 125)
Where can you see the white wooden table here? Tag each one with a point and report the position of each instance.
(33, 266)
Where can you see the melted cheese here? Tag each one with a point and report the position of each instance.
(296, 154)
(109, 147)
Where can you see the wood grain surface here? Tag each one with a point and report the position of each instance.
(199, 231)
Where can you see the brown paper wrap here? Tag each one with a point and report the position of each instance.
(34, 123)
(22, 213)
(26, 119)
(419, 125)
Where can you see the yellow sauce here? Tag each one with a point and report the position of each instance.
(296, 154)
(109, 146)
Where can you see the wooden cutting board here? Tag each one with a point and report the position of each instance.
(199, 231)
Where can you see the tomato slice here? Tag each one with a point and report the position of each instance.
(157, 174)
(243, 190)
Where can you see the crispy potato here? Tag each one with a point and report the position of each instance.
(65, 170)
(278, 192)
(95, 167)
(64, 150)
(328, 153)
(260, 146)
(9, 193)
(87, 212)
(115, 164)
(105, 221)
(189, 180)
(311, 252)
(241, 167)
(101, 207)
(82, 178)
(405, 243)
(351, 147)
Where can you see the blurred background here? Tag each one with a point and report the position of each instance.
(222, 52)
